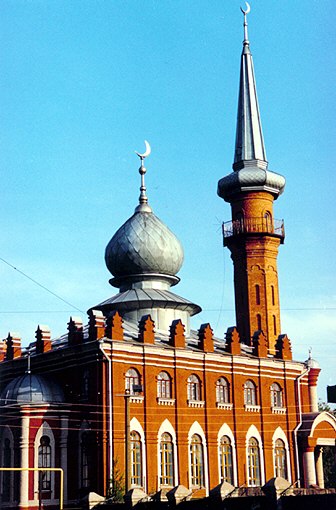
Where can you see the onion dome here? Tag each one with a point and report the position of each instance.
(250, 165)
(31, 389)
(143, 247)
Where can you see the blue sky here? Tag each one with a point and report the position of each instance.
(84, 82)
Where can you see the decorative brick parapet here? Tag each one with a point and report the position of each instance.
(177, 334)
(43, 339)
(260, 344)
(283, 348)
(75, 331)
(147, 330)
(114, 327)
(232, 341)
(205, 335)
(3, 349)
(96, 325)
(13, 343)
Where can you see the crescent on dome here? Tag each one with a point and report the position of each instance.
(146, 153)
(248, 8)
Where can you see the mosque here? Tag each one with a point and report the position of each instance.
(136, 391)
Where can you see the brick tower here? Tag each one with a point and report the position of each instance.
(253, 235)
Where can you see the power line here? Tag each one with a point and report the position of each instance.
(40, 285)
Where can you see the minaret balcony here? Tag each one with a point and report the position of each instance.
(253, 226)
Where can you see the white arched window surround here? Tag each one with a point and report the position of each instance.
(166, 426)
(197, 429)
(226, 431)
(7, 434)
(253, 432)
(279, 434)
(84, 428)
(136, 427)
(44, 430)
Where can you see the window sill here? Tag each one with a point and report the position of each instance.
(279, 410)
(195, 403)
(252, 408)
(136, 399)
(227, 406)
(165, 401)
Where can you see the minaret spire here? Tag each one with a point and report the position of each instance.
(249, 148)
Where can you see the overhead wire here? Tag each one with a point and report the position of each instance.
(40, 285)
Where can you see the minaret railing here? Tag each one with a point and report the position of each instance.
(253, 226)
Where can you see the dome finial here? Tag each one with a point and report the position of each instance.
(248, 8)
(143, 199)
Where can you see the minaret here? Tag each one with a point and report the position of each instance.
(253, 235)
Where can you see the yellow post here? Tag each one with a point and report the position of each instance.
(59, 470)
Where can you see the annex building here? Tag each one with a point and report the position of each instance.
(136, 391)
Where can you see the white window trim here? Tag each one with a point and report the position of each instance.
(197, 429)
(226, 431)
(136, 427)
(7, 434)
(279, 434)
(166, 426)
(45, 430)
(253, 432)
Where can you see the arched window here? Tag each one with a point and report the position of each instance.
(225, 460)
(250, 393)
(136, 459)
(44, 461)
(268, 221)
(196, 461)
(166, 460)
(222, 391)
(85, 460)
(273, 295)
(280, 459)
(6, 475)
(194, 387)
(274, 325)
(163, 385)
(259, 322)
(132, 378)
(276, 395)
(257, 291)
(253, 463)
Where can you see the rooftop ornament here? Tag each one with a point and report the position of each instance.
(143, 199)
(248, 9)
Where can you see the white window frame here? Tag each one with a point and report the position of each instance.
(253, 432)
(166, 427)
(45, 430)
(279, 434)
(226, 431)
(136, 427)
(197, 429)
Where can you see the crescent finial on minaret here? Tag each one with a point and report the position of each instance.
(146, 153)
(143, 199)
(248, 9)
